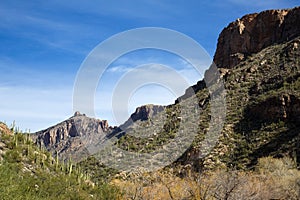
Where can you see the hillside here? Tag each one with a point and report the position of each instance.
(262, 117)
(27, 172)
(262, 106)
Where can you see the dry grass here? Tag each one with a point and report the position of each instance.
(273, 179)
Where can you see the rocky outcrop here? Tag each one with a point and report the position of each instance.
(192, 90)
(145, 112)
(72, 137)
(254, 32)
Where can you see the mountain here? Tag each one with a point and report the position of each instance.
(71, 138)
(67, 138)
(257, 59)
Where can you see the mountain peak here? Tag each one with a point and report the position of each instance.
(77, 114)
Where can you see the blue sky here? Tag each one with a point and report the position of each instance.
(43, 44)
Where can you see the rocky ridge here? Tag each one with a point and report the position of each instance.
(143, 113)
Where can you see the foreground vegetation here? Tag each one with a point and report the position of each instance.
(272, 179)
(27, 172)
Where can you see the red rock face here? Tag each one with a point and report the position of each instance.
(254, 32)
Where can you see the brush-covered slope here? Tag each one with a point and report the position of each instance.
(28, 172)
(263, 109)
(262, 100)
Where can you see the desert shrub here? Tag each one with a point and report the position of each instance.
(272, 179)
(27, 172)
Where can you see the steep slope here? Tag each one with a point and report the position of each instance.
(263, 108)
(262, 117)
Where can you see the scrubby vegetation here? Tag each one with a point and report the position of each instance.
(262, 115)
(271, 179)
(27, 172)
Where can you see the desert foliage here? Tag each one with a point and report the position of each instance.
(272, 179)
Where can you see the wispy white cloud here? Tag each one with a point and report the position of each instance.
(25, 75)
(119, 69)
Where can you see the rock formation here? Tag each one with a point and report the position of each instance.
(281, 108)
(78, 125)
(145, 112)
(254, 32)
(72, 137)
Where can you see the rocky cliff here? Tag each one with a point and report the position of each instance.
(145, 112)
(254, 32)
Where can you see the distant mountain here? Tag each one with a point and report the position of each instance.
(70, 138)
(258, 59)
(67, 138)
